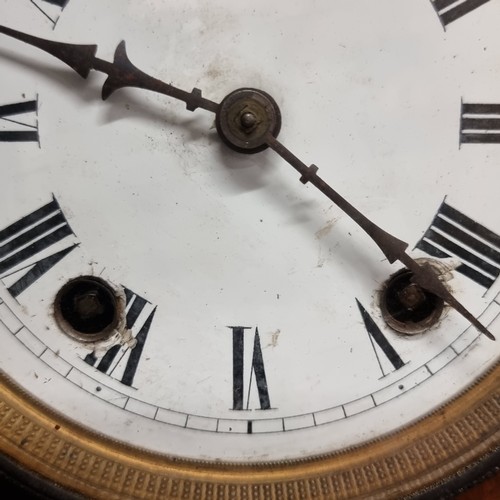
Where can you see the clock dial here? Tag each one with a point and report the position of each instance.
(193, 303)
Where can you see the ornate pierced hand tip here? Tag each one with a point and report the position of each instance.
(78, 57)
(427, 277)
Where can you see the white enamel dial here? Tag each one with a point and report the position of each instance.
(253, 329)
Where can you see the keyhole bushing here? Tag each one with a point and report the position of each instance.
(408, 308)
(87, 308)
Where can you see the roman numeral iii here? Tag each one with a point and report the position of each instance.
(480, 123)
(451, 10)
(25, 239)
(121, 359)
(453, 234)
(20, 129)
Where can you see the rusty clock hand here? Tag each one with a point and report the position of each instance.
(121, 72)
(393, 248)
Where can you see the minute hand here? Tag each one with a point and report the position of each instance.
(121, 72)
(393, 248)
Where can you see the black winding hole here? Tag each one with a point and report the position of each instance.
(87, 307)
(407, 307)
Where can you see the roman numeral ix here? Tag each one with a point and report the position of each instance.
(453, 234)
(140, 315)
(451, 10)
(29, 131)
(23, 240)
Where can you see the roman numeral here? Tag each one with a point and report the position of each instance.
(453, 234)
(140, 315)
(376, 335)
(480, 124)
(23, 240)
(51, 9)
(451, 10)
(256, 369)
(28, 131)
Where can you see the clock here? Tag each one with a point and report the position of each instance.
(180, 316)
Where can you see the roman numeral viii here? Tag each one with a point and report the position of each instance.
(27, 129)
(25, 239)
(451, 10)
(122, 361)
(256, 369)
(453, 234)
(480, 123)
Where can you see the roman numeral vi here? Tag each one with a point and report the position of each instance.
(256, 369)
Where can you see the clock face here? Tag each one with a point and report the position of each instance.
(241, 315)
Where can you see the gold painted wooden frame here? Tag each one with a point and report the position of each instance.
(409, 461)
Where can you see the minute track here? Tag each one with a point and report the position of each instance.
(122, 73)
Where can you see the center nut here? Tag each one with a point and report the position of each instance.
(245, 119)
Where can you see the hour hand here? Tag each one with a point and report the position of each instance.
(121, 72)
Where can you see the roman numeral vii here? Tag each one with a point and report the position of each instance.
(123, 359)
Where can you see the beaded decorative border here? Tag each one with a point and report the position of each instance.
(400, 465)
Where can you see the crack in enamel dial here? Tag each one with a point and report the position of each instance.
(181, 319)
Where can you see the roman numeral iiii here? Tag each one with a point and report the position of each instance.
(453, 234)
